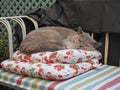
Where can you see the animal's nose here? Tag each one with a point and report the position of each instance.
(97, 44)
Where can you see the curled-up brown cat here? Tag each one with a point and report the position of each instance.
(57, 38)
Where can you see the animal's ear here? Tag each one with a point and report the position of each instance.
(80, 31)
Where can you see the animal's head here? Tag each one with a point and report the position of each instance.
(84, 40)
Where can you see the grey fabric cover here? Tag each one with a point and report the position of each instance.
(98, 16)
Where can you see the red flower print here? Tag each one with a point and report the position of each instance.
(23, 71)
(31, 63)
(16, 62)
(8, 66)
(53, 55)
(27, 57)
(2, 65)
(16, 68)
(100, 56)
(51, 77)
(88, 57)
(85, 53)
(84, 68)
(69, 52)
(40, 72)
(74, 66)
(38, 65)
(49, 64)
(79, 60)
(42, 53)
(65, 56)
(60, 76)
(21, 58)
(59, 67)
(57, 61)
(39, 60)
(91, 62)
(47, 60)
(48, 73)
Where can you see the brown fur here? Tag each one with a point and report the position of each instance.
(57, 38)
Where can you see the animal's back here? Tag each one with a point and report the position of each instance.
(45, 38)
(57, 38)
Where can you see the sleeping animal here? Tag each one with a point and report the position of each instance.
(57, 38)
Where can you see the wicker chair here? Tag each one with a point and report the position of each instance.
(5, 21)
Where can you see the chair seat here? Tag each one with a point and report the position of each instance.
(98, 79)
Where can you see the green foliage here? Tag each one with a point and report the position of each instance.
(3, 48)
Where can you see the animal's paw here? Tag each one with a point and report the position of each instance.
(27, 48)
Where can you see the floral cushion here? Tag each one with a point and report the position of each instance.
(60, 56)
(53, 71)
(58, 65)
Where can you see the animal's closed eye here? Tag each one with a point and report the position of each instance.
(81, 45)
